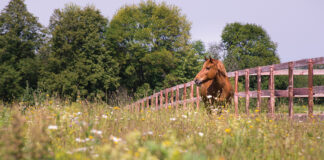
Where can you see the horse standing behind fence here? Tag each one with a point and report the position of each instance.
(215, 87)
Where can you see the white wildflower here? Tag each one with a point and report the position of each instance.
(79, 140)
(184, 116)
(201, 134)
(209, 96)
(318, 137)
(104, 116)
(150, 133)
(172, 119)
(115, 139)
(79, 113)
(52, 127)
(98, 132)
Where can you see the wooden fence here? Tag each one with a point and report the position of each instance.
(170, 97)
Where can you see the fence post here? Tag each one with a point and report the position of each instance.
(166, 98)
(271, 88)
(177, 98)
(184, 96)
(291, 89)
(236, 93)
(171, 97)
(247, 94)
(198, 97)
(161, 99)
(310, 88)
(259, 90)
(191, 94)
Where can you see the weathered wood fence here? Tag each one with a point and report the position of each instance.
(170, 97)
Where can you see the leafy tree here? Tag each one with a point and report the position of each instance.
(215, 50)
(199, 49)
(246, 46)
(78, 62)
(151, 43)
(20, 38)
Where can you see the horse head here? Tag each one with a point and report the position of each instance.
(211, 69)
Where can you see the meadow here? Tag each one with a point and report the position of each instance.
(80, 130)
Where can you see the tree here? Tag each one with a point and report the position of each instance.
(215, 50)
(151, 43)
(246, 46)
(20, 38)
(79, 63)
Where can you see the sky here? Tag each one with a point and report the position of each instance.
(297, 26)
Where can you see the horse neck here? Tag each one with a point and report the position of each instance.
(218, 81)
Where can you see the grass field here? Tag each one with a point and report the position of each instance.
(59, 130)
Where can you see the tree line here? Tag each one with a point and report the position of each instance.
(143, 48)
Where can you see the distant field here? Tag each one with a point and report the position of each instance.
(97, 131)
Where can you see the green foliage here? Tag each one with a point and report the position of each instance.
(151, 43)
(247, 46)
(20, 38)
(78, 62)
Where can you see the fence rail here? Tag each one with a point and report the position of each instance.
(165, 98)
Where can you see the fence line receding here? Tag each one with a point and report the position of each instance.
(170, 97)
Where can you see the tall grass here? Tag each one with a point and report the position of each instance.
(80, 130)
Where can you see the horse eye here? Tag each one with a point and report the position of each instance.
(207, 68)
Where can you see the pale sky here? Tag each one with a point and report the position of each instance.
(297, 26)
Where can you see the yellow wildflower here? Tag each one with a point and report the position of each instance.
(256, 111)
(116, 108)
(251, 126)
(166, 143)
(228, 130)
(90, 137)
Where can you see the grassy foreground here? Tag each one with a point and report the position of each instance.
(96, 131)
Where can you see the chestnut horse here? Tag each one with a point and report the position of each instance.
(215, 87)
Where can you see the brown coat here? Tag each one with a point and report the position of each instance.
(213, 81)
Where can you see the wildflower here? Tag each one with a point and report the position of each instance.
(184, 116)
(104, 116)
(50, 102)
(52, 127)
(115, 139)
(256, 111)
(201, 134)
(47, 95)
(116, 108)
(169, 106)
(166, 143)
(79, 113)
(79, 140)
(150, 132)
(143, 119)
(228, 130)
(251, 126)
(172, 119)
(270, 120)
(98, 132)
(209, 96)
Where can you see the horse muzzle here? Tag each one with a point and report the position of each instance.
(198, 82)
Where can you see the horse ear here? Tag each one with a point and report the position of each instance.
(221, 68)
(210, 59)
